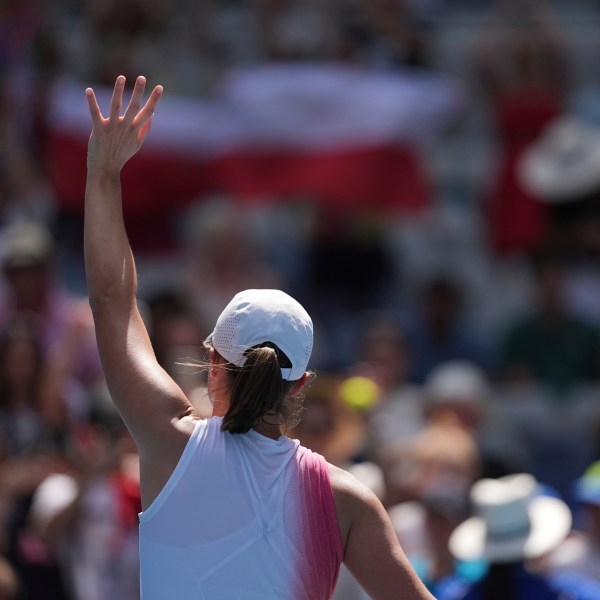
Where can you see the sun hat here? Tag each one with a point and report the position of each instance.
(587, 487)
(254, 317)
(512, 522)
(563, 165)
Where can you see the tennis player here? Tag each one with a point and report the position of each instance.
(232, 507)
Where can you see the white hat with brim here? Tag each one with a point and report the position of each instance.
(512, 522)
(563, 165)
(255, 317)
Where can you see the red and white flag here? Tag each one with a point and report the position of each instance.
(340, 135)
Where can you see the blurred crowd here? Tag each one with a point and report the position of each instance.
(455, 344)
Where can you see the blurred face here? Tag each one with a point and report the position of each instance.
(391, 354)
(434, 471)
(441, 462)
(463, 412)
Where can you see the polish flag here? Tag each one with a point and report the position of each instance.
(342, 136)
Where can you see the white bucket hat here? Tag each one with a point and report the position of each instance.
(512, 522)
(254, 317)
(564, 163)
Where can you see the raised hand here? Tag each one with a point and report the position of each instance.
(114, 140)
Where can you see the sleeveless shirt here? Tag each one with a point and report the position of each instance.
(242, 516)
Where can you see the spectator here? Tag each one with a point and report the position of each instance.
(550, 345)
(328, 425)
(349, 271)
(220, 258)
(39, 414)
(385, 353)
(177, 338)
(24, 191)
(457, 391)
(385, 357)
(29, 422)
(580, 552)
(433, 477)
(89, 517)
(442, 332)
(32, 286)
(522, 66)
(562, 169)
(513, 525)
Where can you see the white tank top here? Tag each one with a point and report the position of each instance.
(242, 517)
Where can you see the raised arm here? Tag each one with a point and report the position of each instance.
(153, 407)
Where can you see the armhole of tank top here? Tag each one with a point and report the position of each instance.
(197, 435)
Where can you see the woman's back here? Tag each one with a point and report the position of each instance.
(242, 516)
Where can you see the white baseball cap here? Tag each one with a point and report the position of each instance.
(254, 317)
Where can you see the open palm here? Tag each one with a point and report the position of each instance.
(114, 140)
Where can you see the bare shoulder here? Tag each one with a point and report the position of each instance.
(372, 552)
(348, 487)
(352, 498)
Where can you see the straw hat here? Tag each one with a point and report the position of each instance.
(564, 163)
(512, 522)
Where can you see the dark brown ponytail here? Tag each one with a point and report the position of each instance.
(257, 389)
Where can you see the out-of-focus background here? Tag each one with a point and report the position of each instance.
(423, 175)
